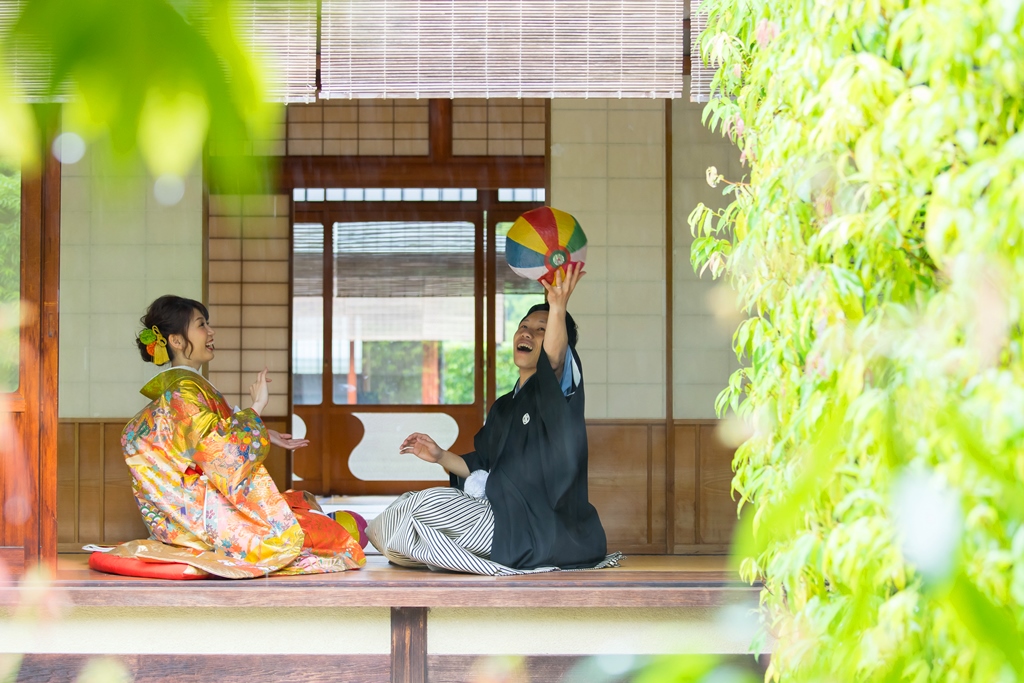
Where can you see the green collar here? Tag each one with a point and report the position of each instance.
(164, 380)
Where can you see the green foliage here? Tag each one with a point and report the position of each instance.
(155, 76)
(458, 373)
(458, 364)
(10, 274)
(877, 247)
(516, 305)
(392, 373)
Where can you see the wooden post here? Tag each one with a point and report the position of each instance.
(353, 379)
(431, 389)
(408, 645)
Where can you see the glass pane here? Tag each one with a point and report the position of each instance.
(308, 314)
(10, 275)
(515, 297)
(403, 330)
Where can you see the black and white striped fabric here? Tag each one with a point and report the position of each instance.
(440, 528)
(445, 528)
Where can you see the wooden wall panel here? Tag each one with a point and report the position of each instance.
(685, 477)
(629, 480)
(656, 474)
(622, 481)
(717, 510)
(90, 482)
(67, 483)
(121, 518)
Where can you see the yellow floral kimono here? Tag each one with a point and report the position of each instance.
(208, 501)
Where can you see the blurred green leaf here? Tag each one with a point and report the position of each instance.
(988, 622)
(878, 249)
(155, 77)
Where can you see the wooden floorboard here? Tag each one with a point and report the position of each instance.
(651, 581)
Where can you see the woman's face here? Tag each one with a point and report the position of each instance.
(200, 335)
(528, 340)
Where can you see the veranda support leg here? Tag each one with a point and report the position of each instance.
(408, 645)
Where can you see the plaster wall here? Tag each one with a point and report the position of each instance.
(702, 318)
(287, 629)
(367, 630)
(120, 250)
(608, 170)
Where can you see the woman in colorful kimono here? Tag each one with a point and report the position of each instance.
(519, 502)
(197, 467)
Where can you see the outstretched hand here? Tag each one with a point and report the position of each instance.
(422, 446)
(259, 392)
(559, 291)
(286, 441)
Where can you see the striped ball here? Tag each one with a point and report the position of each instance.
(354, 523)
(542, 242)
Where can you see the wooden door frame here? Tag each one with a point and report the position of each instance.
(327, 213)
(35, 401)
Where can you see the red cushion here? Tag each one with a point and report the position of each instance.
(130, 566)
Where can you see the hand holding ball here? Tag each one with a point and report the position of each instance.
(543, 242)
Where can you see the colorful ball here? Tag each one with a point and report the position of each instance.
(543, 242)
(354, 524)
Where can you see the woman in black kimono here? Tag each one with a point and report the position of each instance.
(518, 503)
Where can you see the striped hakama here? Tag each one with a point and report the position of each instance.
(440, 528)
(446, 529)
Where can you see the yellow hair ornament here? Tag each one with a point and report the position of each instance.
(156, 345)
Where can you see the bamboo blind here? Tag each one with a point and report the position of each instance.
(502, 48)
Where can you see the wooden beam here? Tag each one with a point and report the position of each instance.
(440, 131)
(408, 645)
(190, 668)
(366, 171)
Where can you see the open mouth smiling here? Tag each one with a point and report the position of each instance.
(524, 346)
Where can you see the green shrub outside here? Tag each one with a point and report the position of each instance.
(10, 274)
(876, 248)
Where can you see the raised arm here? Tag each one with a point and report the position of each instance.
(556, 339)
(260, 392)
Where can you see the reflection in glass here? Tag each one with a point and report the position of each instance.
(10, 274)
(515, 296)
(403, 313)
(308, 314)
